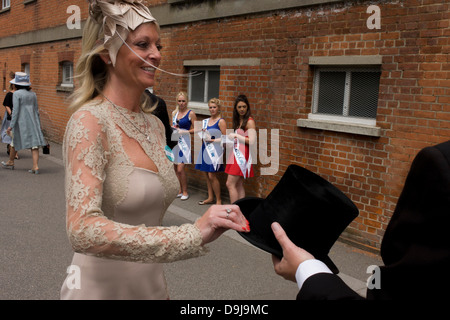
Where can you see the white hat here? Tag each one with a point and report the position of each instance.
(21, 79)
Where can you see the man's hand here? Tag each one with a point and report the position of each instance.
(292, 255)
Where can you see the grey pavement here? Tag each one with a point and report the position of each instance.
(35, 252)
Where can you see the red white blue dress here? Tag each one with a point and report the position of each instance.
(233, 167)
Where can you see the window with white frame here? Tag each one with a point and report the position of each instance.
(6, 4)
(348, 94)
(67, 74)
(26, 68)
(203, 85)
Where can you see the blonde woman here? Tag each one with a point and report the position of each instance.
(119, 181)
(183, 120)
(210, 157)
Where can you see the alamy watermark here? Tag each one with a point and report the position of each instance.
(374, 281)
(259, 147)
(374, 21)
(73, 280)
(74, 20)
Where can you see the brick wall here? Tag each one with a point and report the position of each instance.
(413, 107)
(45, 76)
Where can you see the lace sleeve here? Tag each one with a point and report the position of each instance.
(86, 155)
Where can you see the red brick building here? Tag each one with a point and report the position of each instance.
(354, 88)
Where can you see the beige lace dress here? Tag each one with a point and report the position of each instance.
(115, 206)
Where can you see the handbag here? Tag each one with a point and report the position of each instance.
(46, 149)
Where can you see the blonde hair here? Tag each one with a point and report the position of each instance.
(91, 71)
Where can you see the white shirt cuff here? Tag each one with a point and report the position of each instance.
(309, 268)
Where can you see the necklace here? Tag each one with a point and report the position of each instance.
(146, 135)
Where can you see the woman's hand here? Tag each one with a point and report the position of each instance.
(183, 131)
(218, 219)
(232, 136)
(206, 136)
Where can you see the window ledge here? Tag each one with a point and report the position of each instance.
(64, 88)
(340, 127)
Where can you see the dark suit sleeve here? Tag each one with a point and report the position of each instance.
(161, 112)
(326, 286)
(417, 239)
(421, 217)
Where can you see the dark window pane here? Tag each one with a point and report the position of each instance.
(198, 88)
(364, 94)
(331, 93)
(213, 84)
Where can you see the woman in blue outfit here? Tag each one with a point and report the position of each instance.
(25, 126)
(210, 157)
(183, 121)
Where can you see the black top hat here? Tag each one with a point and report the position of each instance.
(311, 210)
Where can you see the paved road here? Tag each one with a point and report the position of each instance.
(35, 252)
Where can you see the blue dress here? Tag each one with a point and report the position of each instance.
(25, 121)
(183, 123)
(204, 162)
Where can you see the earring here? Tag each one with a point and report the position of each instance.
(109, 62)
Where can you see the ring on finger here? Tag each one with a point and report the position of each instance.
(228, 213)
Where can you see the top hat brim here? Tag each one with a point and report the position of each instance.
(311, 210)
(270, 245)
